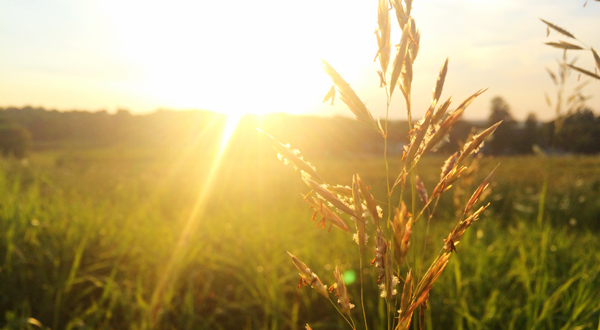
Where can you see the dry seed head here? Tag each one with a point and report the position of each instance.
(454, 237)
(341, 292)
(402, 228)
(383, 35)
(383, 263)
(359, 219)
(422, 192)
(341, 191)
(325, 213)
(349, 97)
(369, 201)
(415, 36)
(449, 165)
(382, 82)
(423, 288)
(446, 183)
(596, 58)
(474, 145)
(454, 117)
(479, 190)
(293, 156)
(308, 277)
(404, 313)
(328, 196)
(358, 210)
(408, 6)
(407, 76)
(441, 111)
(401, 15)
(380, 253)
(400, 58)
(419, 133)
(406, 294)
(558, 29)
(330, 95)
(356, 239)
(439, 85)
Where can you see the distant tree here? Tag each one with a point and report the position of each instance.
(14, 140)
(529, 135)
(504, 140)
(580, 133)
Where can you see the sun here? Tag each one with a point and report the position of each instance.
(232, 57)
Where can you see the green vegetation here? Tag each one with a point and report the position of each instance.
(88, 233)
(146, 222)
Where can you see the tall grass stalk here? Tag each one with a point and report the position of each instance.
(357, 204)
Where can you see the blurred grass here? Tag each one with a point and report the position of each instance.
(86, 234)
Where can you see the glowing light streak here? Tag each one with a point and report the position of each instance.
(172, 268)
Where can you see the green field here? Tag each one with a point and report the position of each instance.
(133, 238)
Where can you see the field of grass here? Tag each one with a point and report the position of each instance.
(125, 238)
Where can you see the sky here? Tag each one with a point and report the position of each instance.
(265, 55)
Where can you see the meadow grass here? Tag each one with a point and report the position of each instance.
(86, 236)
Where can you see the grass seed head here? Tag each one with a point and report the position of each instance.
(401, 14)
(449, 165)
(325, 213)
(480, 189)
(454, 237)
(454, 117)
(421, 191)
(328, 196)
(415, 150)
(404, 312)
(400, 58)
(402, 228)
(439, 85)
(330, 95)
(341, 292)
(441, 111)
(293, 156)
(415, 38)
(423, 288)
(361, 230)
(383, 263)
(348, 96)
(474, 145)
(369, 200)
(307, 277)
(383, 35)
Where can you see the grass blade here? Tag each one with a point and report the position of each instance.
(564, 45)
(348, 95)
(559, 29)
(437, 92)
(400, 57)
(597, 58)
(591, 74)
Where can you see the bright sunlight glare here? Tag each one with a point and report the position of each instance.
(197, 213)
(231, 57)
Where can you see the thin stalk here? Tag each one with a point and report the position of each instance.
(427, 233)
(413, 188)
(362, 298)
(389, 312)
(540, 216)
(350, 322)
(385, 158)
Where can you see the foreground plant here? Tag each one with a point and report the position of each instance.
(392, 230)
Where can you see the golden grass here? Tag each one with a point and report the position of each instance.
(392, 230)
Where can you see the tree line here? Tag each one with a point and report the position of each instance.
(27, 127)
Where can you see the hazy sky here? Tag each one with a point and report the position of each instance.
(264, 55)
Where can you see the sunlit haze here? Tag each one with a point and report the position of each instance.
(264, 56)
